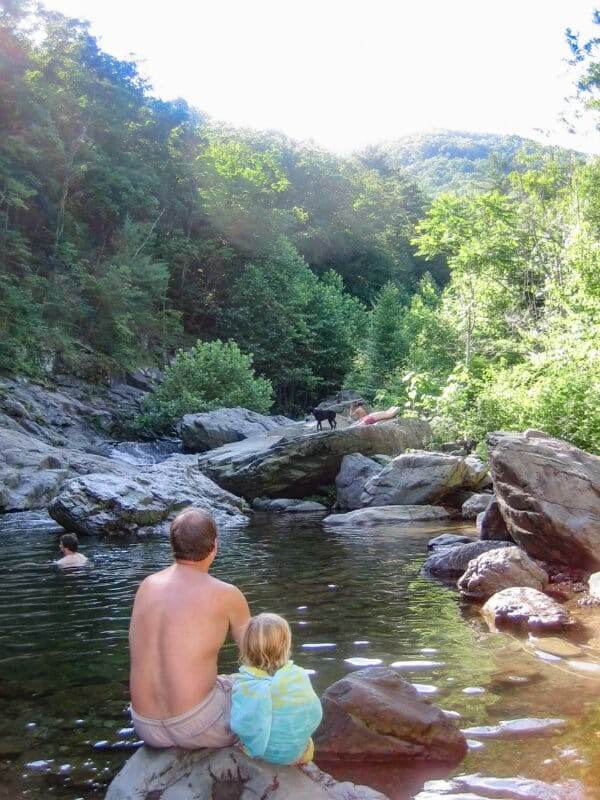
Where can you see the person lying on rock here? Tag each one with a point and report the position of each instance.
(364, 418)
(181, 617)
(71, 557)
(274, 708)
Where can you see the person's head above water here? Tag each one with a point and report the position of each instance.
(267, 643)
(193, 536)
(68, 543)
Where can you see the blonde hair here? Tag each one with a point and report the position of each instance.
(267, 643)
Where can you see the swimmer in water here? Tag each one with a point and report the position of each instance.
(69, 546)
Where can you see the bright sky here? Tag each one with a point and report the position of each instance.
(347, 73)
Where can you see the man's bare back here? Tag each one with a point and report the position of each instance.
(181, 617)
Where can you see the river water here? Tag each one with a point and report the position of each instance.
(64, 728)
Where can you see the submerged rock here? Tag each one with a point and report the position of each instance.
(478, 787)
(476, 504)
(524, 607)
(355, 471)
(549, 496)
(225, 774)
(374, 715)
(387, 515)
(450, 563)
(555, 646)
(517, 728)
(201, 432)
(415, 478)
(108, 504)
(294, 465)
(284, 505)
(500, 569)
(448, 540)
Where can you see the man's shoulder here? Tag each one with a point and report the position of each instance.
(227, 589)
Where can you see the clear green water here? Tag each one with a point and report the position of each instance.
(64, 662)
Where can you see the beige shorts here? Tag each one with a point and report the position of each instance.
(205, 725)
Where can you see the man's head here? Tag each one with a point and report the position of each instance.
(68, 542)
(193, 535)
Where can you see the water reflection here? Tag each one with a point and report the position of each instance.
(348, 594)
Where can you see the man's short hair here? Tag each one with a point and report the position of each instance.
(193, 535)
(70, 541)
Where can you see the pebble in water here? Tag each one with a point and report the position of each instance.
(101, 745)
(591, 667)
(451, 714)
(547, 657)
(65, 769)
(332, 585)
(318, 645)
(473, 744)
(361, 642)
(429, 651)
(310, 671)
(301, 608)
(555, 646)
(42, 765)
(425, 688)
(417, 666)
(473, 690)
(516, 728)
(79, 721)
(124, 732)
(363, 662)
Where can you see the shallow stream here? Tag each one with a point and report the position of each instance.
(64, 728)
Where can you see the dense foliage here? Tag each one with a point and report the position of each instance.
(130, 226)
(458, 161)
(209, 375)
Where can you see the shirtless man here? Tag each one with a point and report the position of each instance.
(180, 620)
(69, 545)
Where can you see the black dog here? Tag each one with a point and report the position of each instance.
(322, 414)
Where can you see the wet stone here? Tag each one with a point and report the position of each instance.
(516, 728)
(555, 646)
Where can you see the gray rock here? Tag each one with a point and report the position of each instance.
(500, 569)
(211, 429)
(296, 464)
(32, 472)
(227, 774)
(415, 478)
(374, 715)
(355, 471)
(386, 515)
(478, 787)
(449, 563)
(477, 474)
(109, 504)
(476, 504)
(549, 496)
(517, 728)
(526, 608)
(284, 505)
(448, 540)
(491, 525)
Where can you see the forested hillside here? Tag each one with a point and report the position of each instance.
(131, 227)
(456, 161)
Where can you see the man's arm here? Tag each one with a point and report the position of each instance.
(239, 614)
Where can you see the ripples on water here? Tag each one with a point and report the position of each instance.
(358, 594)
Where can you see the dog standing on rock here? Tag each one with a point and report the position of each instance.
(322, 414)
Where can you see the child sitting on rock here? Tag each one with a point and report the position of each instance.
(274, 708)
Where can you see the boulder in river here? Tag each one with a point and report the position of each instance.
(477, 474)
(500, 569)
(374, 715)
(479, 787)
(350, 481)
(448, 540)
(449, 563)
(525, 608)
(283, 505)
(210, 429)
(476, 504)
(225, 774)
(491, 525)
(296, 464)
(549, 496)
(109, 504)
(415, 478)
(387, 515)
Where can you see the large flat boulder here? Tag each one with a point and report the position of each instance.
(350, 481)
(525, 608)
(144, 501)
(449, 563)
(500, 569)
(211, 429)
(415, 478)
(374, 715)
(548, 493)
(296, 464)
(32, 471)
(387, 515)
(227, 774)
